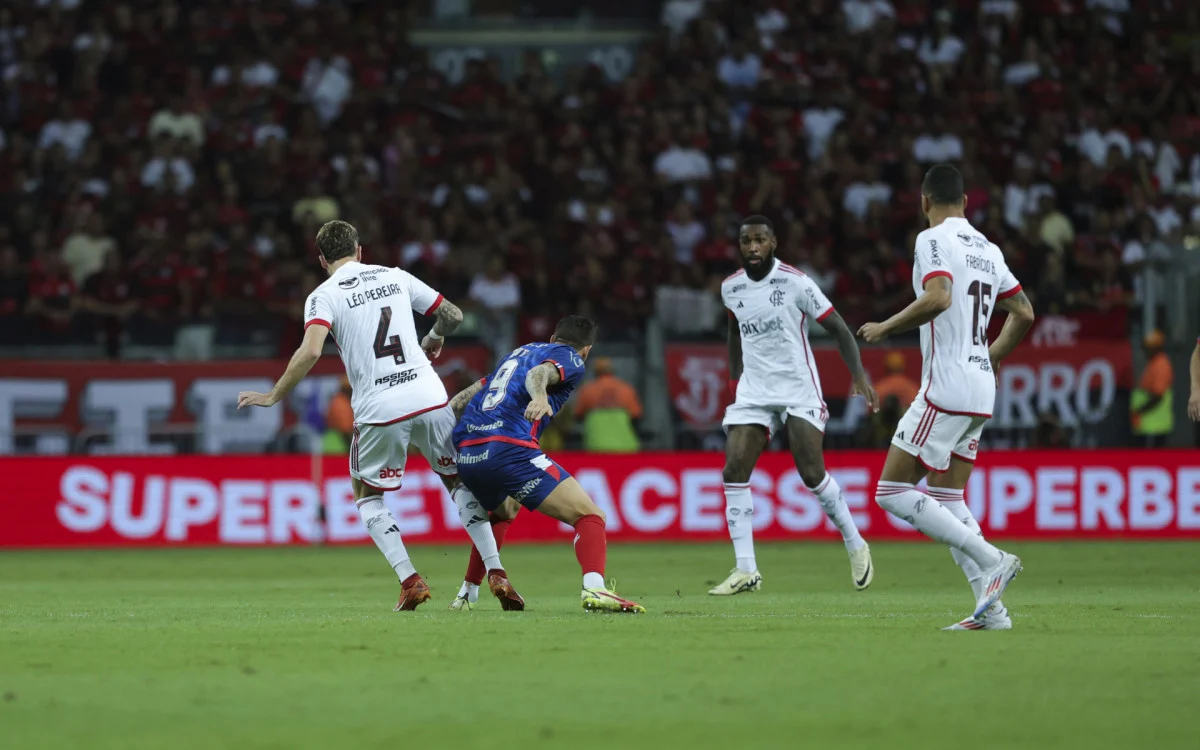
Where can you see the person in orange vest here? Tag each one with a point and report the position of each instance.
(609, 407)
(896, 383)
(1151, 403)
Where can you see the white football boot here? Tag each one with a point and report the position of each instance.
(996, 580)
(737, 583)
(862, 571)
(996, 619)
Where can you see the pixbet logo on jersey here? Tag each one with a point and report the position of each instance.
(761, 327)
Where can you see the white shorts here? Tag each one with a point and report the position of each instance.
(935, 436)
(774, 417)
(379, 452)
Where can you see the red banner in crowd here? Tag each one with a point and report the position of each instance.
(1079, 382)
(143, 403)
(260, 500)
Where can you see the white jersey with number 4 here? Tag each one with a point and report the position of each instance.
(778, 368)
(368, 310)
(956, 370)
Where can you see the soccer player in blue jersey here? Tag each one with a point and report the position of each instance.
(498, 454)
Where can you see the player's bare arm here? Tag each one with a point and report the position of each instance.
(848, 348)
(458, 404)
(449, 318)
(1016, 325)
(934, 300)
(1194, 399)
(536, 382)
(735, 349)
(302, 361)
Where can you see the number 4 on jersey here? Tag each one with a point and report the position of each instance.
(387, 346)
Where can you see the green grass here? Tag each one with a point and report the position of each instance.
(298, 648)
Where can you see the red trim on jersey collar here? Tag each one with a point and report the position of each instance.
(791, 269)
(1009, 293)
(825, 314)
(436, 304)
(318, 322)
(735, 274)
(499, 439)
(406, 416)
(932, 274)
(562, 374)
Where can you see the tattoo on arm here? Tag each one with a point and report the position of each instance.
(540, 378)
(449, 317)
(735, 349)
(846, 344)
(459, 403)
(1018, 303)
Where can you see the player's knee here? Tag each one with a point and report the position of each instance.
(812, 476)
(888, 493)
(736, 472)
(507, 511)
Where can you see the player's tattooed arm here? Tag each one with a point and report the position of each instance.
(460, 401)
(302, 361)
(934, 300)
(536, 382)
(1016, 325)
(449, 318)
(848, 348)
(735, 349)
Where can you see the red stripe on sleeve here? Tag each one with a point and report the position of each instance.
(934, 274)
(318, 322)
(562, 374)
(825, 314)
(1009, 293)
(436, 304)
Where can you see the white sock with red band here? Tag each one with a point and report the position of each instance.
(952, 500)
(829, 493)
(931, 519)
(382, 527)
(739, 514)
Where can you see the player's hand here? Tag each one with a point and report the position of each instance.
(250, 398)
(873, 333)
(538, 408)
(432, 347)
(1194, 406)
(862, 387)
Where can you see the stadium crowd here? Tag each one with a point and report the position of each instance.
(163, 163)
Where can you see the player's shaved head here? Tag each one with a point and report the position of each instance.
(758, 221)
(337, 240)
(943, 185)
(575, 331)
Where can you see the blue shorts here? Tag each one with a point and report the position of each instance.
(495, 471)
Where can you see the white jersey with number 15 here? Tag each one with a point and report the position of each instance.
(368, 310)
(956, 371)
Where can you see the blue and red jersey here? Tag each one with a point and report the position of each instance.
(497, 413)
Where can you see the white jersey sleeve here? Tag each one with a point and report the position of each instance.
(318, 309)
(811, 300)
(425, 299)
(930, 259)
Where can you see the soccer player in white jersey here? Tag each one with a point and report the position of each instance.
(775, 382)
(959, 278)
(397, 396)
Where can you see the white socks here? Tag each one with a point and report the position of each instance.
(931, 519)
(739, 513)
(469, 590)
(475, 520)
(952, 500)
(830, 495)
(386, 532)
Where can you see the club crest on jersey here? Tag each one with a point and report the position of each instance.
(777, 298)
(349, 283)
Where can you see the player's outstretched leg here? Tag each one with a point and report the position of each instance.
(896, 493)
(385, 532)
(743, 446)
(996, 617)
(807, 445)
(475, 520)
(571, 505)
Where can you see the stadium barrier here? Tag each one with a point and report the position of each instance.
(263, 500)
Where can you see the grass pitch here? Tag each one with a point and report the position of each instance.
(298, 648)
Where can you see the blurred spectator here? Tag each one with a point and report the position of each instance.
(1054, 227)
(496, 294)
(610, 409)
(86, 250)
(316, 202)
(739, 69)
(53, 302)
(862, 15)
(685, 231)
(938, 144)
(109, 299)
(941, 48)
(339, 421)
(895, 384)
(1049, 432)
(1151, 405)
(177, 122)
(682, 163)
(1023, 195)
(67, 130)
